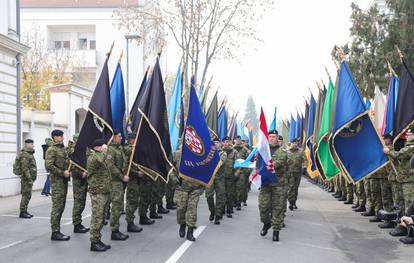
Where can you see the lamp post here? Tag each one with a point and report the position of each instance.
(128, 37)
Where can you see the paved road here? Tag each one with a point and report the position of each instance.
(322, 230)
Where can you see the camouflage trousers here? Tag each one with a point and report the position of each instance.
(408, 193)
(349, 191)
(132, 198)
(218, 190)
(59, 192)
(117, 198)
(187, 203)
(145, 189)
(376, 197)
(294, 182)
(272, 204)
(397, 194)
(26, 191)
(343, 183)
(242, 187)
(367, 186)
(157, 194)
(360, 193)
(231, 192)
(98, 213)
(386, 194)
(169, 191)
(338, 184)
(80, 188)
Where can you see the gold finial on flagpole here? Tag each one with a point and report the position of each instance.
(110, 50)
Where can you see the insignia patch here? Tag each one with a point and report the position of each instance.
(193, 141)
(98, 124)
(351, 129)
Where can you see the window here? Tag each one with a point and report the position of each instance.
(92, 44)
(66, 44)
(62, 44)
(58, 44)
(83, 43)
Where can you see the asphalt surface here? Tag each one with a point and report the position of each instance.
(322, 230)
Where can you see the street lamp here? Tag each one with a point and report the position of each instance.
(128, 37)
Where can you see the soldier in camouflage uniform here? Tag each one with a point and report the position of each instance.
(28, 175)
(186, 196)
(272, 202)
(243, 181)
(145, 189)
(295, 161)
(218, 189)
(405, 175)
(231, 175)
(132, 190)
(57, 162)
(117, 163)
(157, 195)
(80, 188)
(99, 182)
(343, 183)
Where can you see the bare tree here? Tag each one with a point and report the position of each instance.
(204, 30)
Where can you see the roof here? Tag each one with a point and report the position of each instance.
(77, 3)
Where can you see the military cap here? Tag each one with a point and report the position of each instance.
(132, 135)
(281, 137)
(28, 141)
(98, 142)
(273, 132)
(117, 131)
(75, 136)
(57, 133)
(227, 138)
(237, 137)
(294, 140)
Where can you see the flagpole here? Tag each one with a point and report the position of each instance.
(110, 50)
(401, 54)
(390, 69)
(120, 56)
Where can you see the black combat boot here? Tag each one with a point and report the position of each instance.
(105, 245)
(229, 215)
(190, 236)
(211, 217)
(171, 206)
(387, 224)
(133, 228)
(349, 202)
(25, 215)
(162, 210)
(181, 231)
(154, 215)
(369, 212)
(217, 220)
(57, 236)
(244, 203)
(80, 229)
(294, 206)
(360, 209)
(407, 240)
(290, 207)
(97, 246)
(342, 199)
(275, 236)
(376, 219)
(117, 235)
(355, 206)
(265, 228)
(144, 220)
(399, 231)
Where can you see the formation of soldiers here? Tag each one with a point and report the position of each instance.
(387, 196)
(109, 181)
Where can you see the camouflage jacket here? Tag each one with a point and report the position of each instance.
(116, 161)
(28, 165)
(243, 153)
(99, 175)
(295, 160)
(402, 161)
(133, 172)
(280, 162)
(232, 156)
(223, 158)
(57, 161)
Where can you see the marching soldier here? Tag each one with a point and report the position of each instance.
(295, 161)
(99, 180)
(57, 162)
(80, 189)
(117, 163)
(26, 164)
(231, 175)
(272, 197)
(243, 181)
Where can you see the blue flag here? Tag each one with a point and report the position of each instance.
(174, 111)
(292, 129)
(273, 123)
(298, 132)
(222, 123)
(388, 125)
(311, 118)
(118, 102)
(355, 140)
(249, 162)
(200, 159)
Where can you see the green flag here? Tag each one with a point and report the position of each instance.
(324, 153)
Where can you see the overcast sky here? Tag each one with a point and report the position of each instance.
(298, 36)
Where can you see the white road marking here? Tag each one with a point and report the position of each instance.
(181, 250)
(37, 217)
(70, 222)
(11, 244)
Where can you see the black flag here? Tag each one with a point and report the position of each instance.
(212, 116)
(153, 145)
(98, 121)
(134, 116)
(404, 114)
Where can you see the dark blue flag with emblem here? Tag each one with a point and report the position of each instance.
(355, 141)
(98, 120)
(200, 159)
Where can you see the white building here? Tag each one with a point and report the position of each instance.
(10, 120)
